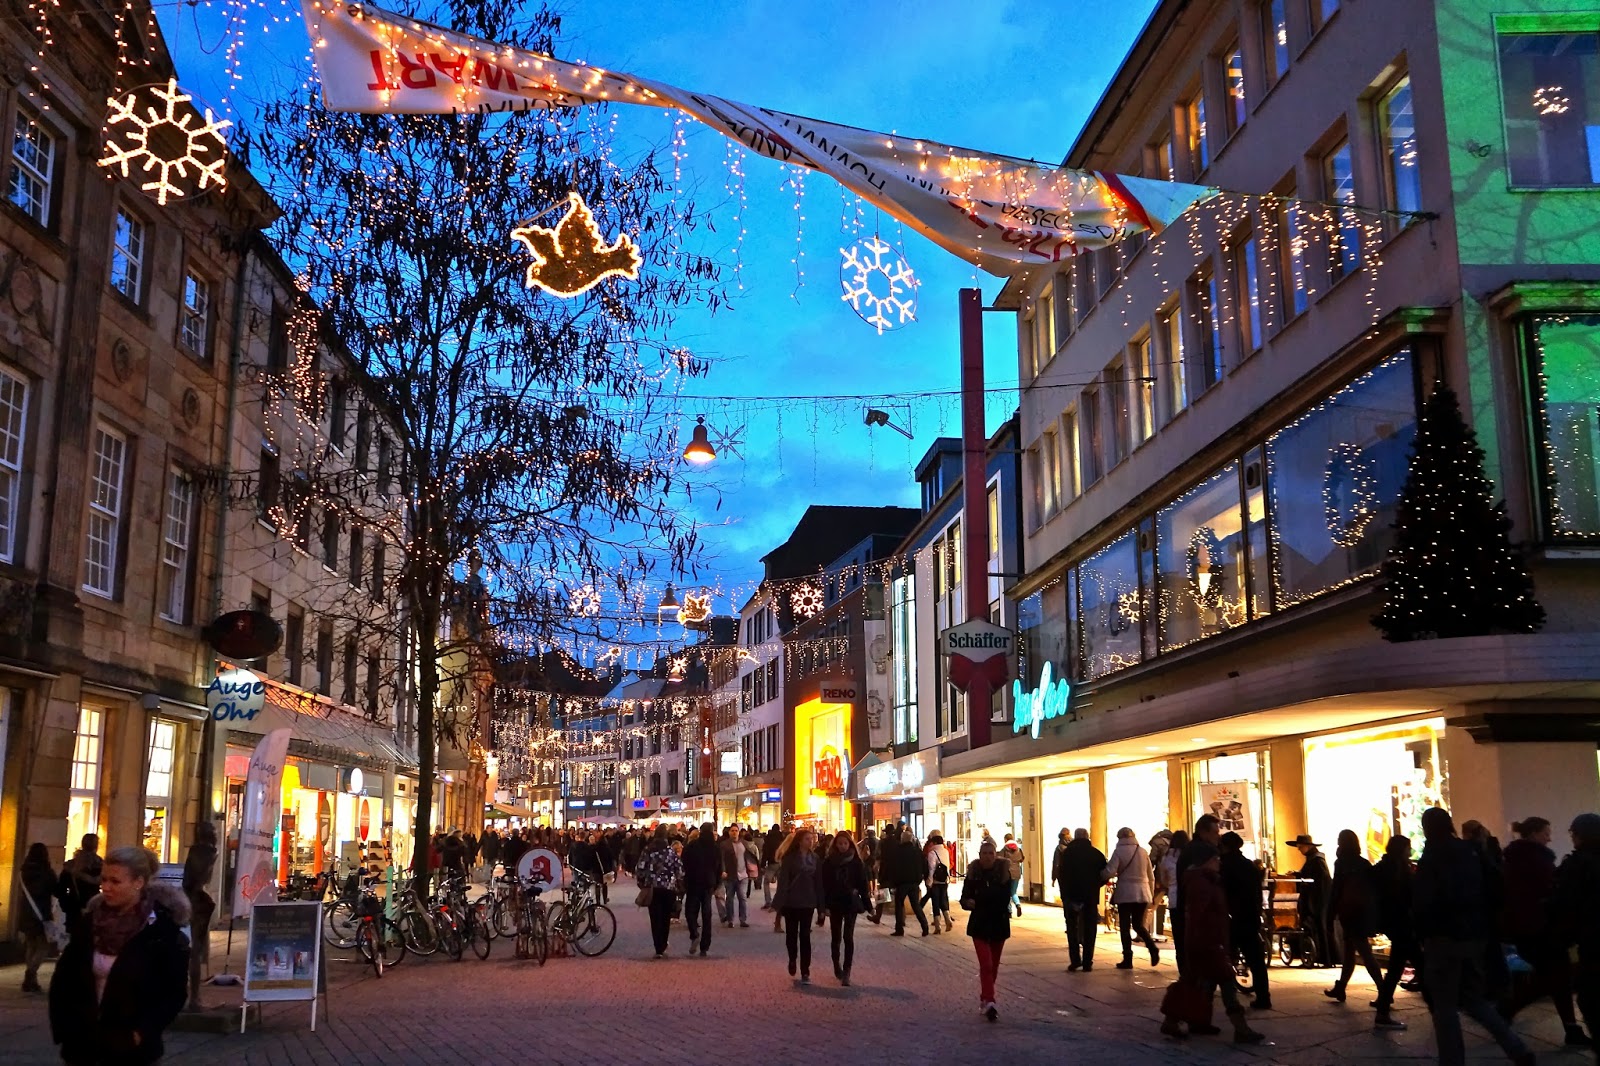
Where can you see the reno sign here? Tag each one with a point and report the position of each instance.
(1052, 699)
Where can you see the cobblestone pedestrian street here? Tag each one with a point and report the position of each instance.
(912, 1000)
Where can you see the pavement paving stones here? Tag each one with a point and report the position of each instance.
(911, 1000)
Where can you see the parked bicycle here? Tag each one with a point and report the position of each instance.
(381, 940)
(582, 920)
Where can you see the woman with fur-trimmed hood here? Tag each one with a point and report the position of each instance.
(123, 977)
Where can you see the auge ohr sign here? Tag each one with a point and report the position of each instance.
(237, 695)
(1050, 700)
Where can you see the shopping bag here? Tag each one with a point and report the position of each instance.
(644, 896)
(1186, 1001)
(55, 928)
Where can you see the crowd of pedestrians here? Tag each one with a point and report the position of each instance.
(1485, 932)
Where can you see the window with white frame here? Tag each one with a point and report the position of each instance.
(34, 150)
(1397, 132)
(903, 642)
(105, 512)
(127, 256)
(83, 803)
(158, 789)
(13, 425)
(1071, 465)
(177, 541)
(1044, 331)
(196, 317)
(1050, 450)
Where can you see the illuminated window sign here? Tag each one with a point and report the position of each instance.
(1051, 699)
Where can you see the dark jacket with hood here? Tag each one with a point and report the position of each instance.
(1530, 873)
(144, 991)
(1576, 907)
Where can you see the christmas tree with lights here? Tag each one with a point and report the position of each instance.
(1452, 571)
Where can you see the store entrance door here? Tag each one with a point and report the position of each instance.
(1064, 802)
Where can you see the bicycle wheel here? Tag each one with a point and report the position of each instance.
(478, 937)
(538, 936)
(449, 931)
(367, 938)
(555, 922)
(508, 915)
(420, 935)
(594, 930)
(392, 942)
(341, 925)
(484, 913)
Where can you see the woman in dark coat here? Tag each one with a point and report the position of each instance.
(123, 977)
(39, 885)
(1208, 954)
(987, 894)
(844, 896)
(1391, 882)
(1530, 871)
(1355, 907)
(799, 895)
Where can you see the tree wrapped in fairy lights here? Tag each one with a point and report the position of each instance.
(538, 451)
(1452, 571)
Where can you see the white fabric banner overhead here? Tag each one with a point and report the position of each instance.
(256, 875)
(1005, 215)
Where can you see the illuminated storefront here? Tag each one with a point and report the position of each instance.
(822, 744)
(1376, 781)
(897, 790)
(1063, 804)
(1237, 790)
(1138, 797)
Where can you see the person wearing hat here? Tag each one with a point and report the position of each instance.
(1315, 884)
(1575, 913)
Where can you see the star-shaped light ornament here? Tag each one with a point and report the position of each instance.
(878, 284)
(156, 136)
(573, 257)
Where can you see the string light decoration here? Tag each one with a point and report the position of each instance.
(1203, 568)
(805, 599)
(152, 132)
(573, 257)
(878, 284)
(1349, 493)
(1452, 571)
(1551, 100)
(695, 610)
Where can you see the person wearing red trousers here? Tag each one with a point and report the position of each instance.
(986, 893)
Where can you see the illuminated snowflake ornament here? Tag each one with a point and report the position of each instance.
(585, 602)
(806, 599)
(878, 284)
(153, 137)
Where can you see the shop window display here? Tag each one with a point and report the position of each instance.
(1201, 554)
(1376, 782)
(1564, 373)
(1042, 621)
(1335, 476)
(1109, 607)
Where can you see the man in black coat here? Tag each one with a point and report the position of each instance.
(1078, 866)
(702, 871)
(909, 870)
(1316, 893)
(1242, 885)
(1576, 913)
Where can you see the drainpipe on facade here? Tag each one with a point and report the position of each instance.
(225, 496)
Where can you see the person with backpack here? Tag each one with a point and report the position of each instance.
(937, 856)
(1078, 872)
(659, 873)
(1012, 854)
(1355, 907)
(80, 879)
(1455, 895)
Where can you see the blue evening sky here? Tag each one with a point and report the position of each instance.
(1006, 77)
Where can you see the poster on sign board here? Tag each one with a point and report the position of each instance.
(1230, 802)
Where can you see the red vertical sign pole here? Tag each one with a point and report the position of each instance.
(974, 496)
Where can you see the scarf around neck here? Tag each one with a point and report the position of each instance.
(113, 929)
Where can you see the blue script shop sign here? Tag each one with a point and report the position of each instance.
(1052, 699)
